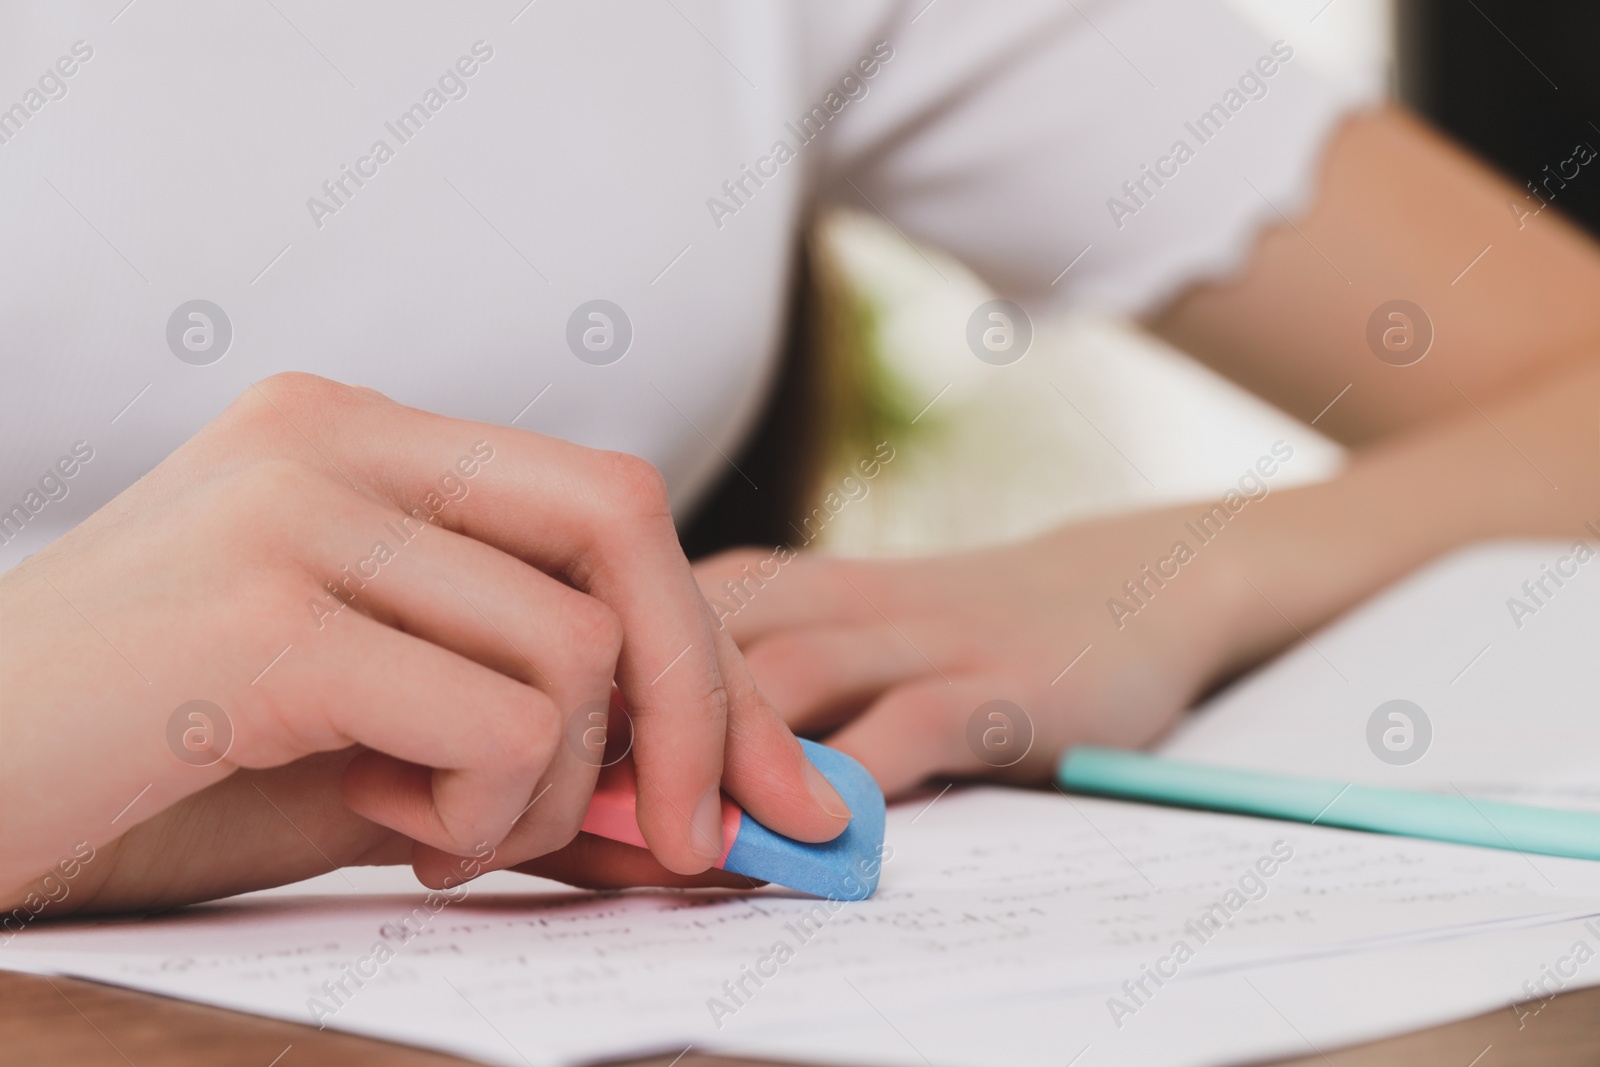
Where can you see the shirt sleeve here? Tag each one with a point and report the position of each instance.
(1083, 154)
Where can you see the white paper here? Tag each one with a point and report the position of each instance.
(1513, 698)
(988, 895)
(1295, 1008)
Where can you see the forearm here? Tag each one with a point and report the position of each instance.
(1398, 213)
(1526, 465)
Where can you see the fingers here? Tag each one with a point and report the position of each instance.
(559, 802)
(456, 746)
(820, 650)
(756, 592)
(475, 600)
(680, 723)
(600, 520)
(547, 821)
(927, 727)
(495, 607)
(767, 771)
(818, 676)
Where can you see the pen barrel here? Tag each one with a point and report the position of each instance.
(1435, 816)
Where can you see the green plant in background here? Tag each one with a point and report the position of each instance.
(861, 401)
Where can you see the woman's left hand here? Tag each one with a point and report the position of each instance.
(896, 662)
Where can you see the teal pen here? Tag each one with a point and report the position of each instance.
(1438, 817)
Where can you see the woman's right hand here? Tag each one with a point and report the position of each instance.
(491, 583)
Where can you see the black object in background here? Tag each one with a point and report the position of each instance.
(755, 500)
(1518, 81)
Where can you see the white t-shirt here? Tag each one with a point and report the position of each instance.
(427, 199)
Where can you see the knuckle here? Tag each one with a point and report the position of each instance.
(261, 408)
(300, 392)
(512, 738)
(533, 732)
(368, 392)
(636, 488)
(594, 631)
(300, 388)
(717, 702)
(258, 496)
(463, 829)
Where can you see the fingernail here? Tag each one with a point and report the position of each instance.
(822, 791)
(705, 836)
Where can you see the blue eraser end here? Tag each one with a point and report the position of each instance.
(845, 868)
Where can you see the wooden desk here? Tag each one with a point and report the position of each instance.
(48, 1021)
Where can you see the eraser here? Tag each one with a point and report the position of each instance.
(845, 868)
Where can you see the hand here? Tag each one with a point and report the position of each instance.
(892, 659)
(397, 615)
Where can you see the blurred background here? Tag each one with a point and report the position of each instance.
(1100, 416)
